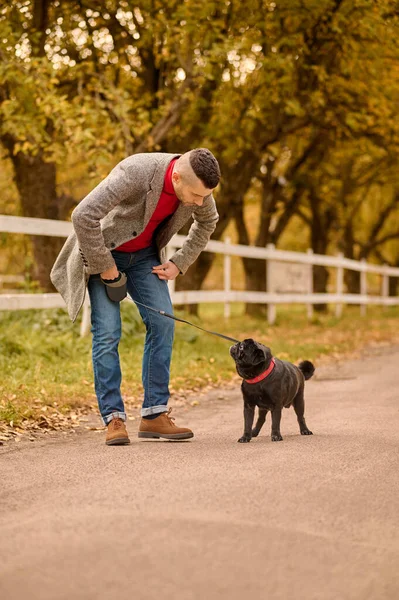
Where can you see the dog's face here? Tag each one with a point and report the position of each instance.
(251, 358)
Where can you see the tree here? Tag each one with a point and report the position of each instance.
(270, 88)
(107, 81)
(300, 69)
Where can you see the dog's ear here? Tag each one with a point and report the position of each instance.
(266, 352)
(255, 352)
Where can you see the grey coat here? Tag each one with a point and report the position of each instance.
(117, 210)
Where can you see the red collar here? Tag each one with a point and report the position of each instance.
(262, 375)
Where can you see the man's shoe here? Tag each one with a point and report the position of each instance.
(117, 434)
(163, 427)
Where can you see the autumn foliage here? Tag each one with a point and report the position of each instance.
(296, 98)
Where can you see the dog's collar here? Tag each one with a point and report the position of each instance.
(262, 375)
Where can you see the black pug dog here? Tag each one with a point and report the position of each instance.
(270, 384)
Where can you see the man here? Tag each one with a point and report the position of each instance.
(121, 230)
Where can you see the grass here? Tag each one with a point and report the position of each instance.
(45, 363)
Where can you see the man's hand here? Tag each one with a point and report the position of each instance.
(110, 273)
(166, 271)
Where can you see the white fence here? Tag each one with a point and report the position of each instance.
(226, 295)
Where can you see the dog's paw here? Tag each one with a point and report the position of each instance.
(244, 439)
(277, 437)
(255, 433)
(306, 432)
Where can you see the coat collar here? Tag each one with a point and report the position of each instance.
(156, 185)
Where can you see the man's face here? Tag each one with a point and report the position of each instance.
(190, 194)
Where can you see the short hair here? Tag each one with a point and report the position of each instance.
(205, 166)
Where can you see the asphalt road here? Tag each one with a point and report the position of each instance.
(307, 518)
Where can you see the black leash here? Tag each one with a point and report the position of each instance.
(165, 314)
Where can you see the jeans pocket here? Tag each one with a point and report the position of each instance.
(122, 259)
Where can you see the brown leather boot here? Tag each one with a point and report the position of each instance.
(163, 427)
(116, 433)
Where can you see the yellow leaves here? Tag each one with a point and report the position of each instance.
(293, 107)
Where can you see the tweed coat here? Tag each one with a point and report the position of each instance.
(117, 210)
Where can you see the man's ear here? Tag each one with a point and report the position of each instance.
(176, 177)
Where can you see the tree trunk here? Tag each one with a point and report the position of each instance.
(393, 286)
(320, 273)
(320, 281)
(36, 183)
(273, 194)
(229, 202)
(351, 278)
(254, 269)
(196, 274)
(255, 281)
(352, 281)
(393, 282)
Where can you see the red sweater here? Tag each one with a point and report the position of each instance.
(167, 205)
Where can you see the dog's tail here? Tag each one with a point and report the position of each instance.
(307, 368)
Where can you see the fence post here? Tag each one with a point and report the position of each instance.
(340, 287)
(385, 285)
(271, 308)
(85, 322)
(172, 282)
(363, 286)
(309, 306)
(227, 280)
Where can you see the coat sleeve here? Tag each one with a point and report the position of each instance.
(87, 215)
(205, 219)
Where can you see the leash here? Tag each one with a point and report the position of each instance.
(165, 314)
(116, 291)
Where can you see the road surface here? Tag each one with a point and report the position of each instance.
(307, 518)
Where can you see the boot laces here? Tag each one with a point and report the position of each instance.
(170, 419)
(118, 423)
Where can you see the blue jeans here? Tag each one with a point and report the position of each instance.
(145, 287)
